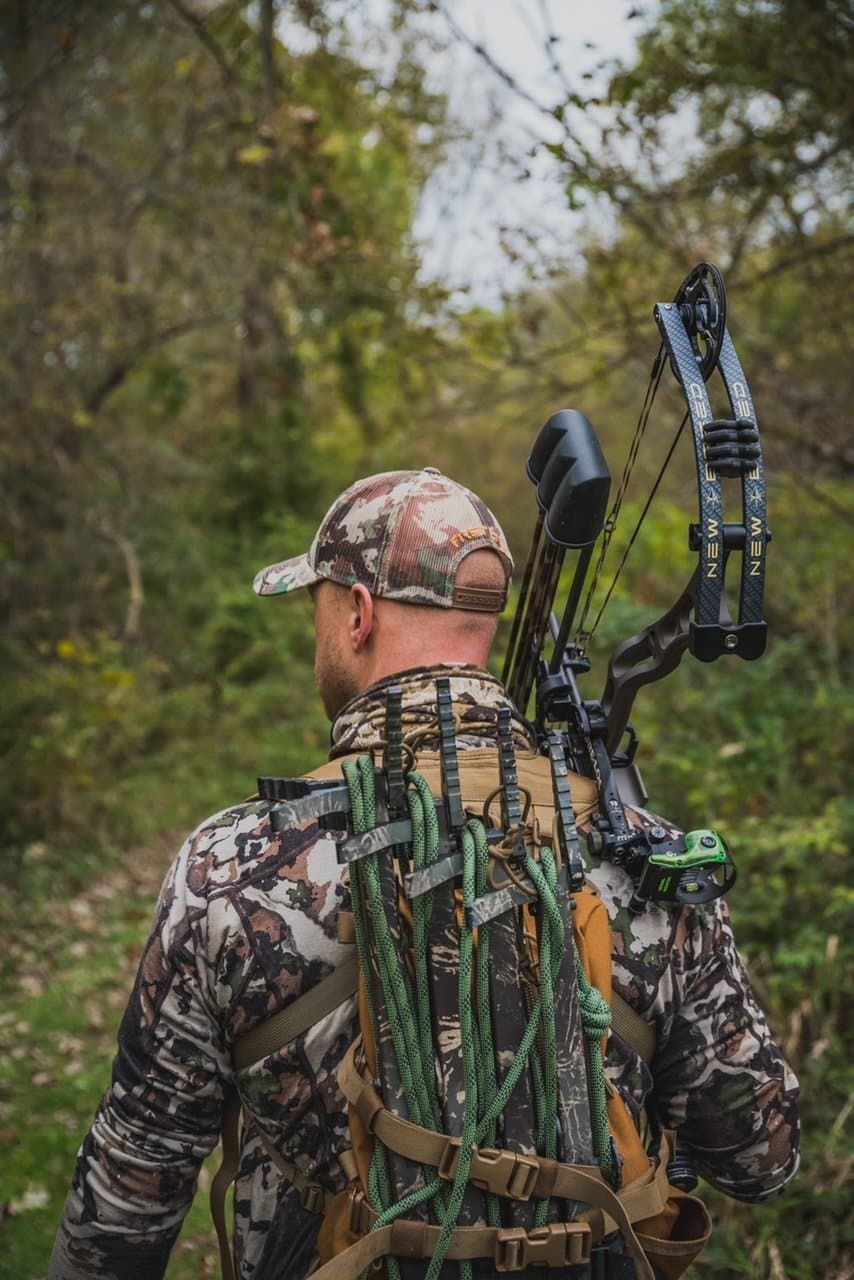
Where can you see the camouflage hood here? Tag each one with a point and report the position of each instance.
(476, 696)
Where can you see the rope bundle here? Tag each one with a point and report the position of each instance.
(407, 999)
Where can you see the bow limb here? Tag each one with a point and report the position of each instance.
(756, 535)
(723, 448)
(709, 542)
(645, 657)
(701, 620)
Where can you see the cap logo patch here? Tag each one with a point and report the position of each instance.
(479, 531)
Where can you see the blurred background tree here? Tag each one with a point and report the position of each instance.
(209, 287)
(216, 315)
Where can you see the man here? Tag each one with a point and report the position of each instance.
(408, 572)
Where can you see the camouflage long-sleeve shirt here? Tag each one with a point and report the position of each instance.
(246, 922)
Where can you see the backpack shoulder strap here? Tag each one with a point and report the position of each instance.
(343, 982)
(300, 1014)
(267, 1038)
(631, 1027)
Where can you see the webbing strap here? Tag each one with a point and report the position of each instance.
(224, 1177)
(314, 1197)
(631, 1027)
(267, 1038)
(300, 1014)
(560, 1244)
(502, 1172)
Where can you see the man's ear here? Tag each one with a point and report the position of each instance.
(360, 617)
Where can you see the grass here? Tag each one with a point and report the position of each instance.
(65, 989)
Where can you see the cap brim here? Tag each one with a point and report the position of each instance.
(287, 575)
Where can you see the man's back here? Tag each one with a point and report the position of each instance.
(248, 921)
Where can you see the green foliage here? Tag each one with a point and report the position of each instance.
(214, 319)
(207, 266)
(57, 1038)
(769, 87)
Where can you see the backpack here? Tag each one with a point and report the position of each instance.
(485, 1137)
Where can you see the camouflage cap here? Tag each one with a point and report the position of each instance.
(403, 535)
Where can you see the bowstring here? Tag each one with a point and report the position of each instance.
(636, 529)
(583, 636)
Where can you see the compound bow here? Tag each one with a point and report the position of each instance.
(572, 485)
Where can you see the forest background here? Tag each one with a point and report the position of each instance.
(215, 317)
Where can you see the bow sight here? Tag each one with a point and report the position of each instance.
(572, 488)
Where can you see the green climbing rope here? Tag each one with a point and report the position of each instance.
(595, 1023)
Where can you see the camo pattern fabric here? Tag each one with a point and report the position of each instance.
(246, 922)
(403, 535)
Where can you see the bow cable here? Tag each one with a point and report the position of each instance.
(583, 637)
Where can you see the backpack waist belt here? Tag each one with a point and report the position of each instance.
(497, 1170)
(560, 1244)
(506, 1173)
